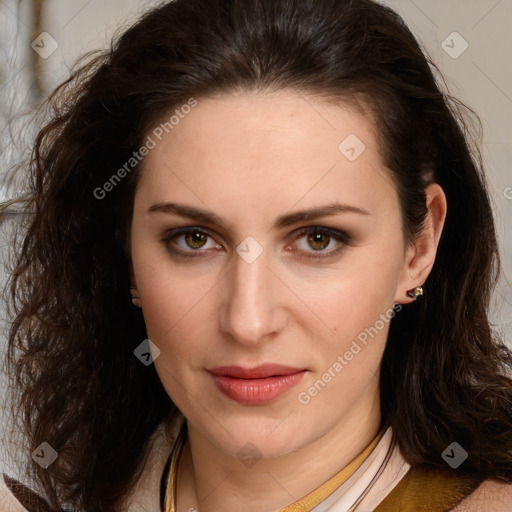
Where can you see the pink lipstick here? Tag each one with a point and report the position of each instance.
(258, 385)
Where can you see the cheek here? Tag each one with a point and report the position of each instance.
(170, 301)
(358, 312)
(357, 335)
(356, 304)
(179, 305)
(178, 314)
(353, 297)
(175, 307)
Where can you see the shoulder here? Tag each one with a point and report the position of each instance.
(16, 497)
(439, 488)
(145, 495)
(489, 495)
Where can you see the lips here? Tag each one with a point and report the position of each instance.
(259, 372)
(255, 386)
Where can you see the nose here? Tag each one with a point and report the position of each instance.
(252, 310)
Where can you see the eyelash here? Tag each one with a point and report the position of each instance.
(339, 236)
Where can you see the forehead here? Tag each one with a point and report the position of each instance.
(286, 145)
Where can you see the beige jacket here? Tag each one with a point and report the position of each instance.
(144, 498)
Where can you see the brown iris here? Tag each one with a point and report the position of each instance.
(195, 240)
(318, 241)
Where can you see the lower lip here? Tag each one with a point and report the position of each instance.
(256, 391)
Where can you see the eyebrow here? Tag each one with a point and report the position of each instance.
(208, 217)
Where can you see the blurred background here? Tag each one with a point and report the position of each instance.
(470, 41)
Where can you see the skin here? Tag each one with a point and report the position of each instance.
(251, 158)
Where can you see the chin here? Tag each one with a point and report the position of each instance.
(268, 438)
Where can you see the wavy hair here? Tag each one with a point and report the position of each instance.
(445, 374)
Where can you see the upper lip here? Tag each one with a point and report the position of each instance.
(258, 372)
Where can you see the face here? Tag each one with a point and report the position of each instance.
(264, 232)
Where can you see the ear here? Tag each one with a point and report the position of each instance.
(134, 292)
(133, 281)
(421, 254)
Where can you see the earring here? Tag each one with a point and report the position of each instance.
(416, 292)
(135, 297)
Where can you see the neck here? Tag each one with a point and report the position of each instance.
(210, 480)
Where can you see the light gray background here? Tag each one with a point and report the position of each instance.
(481, 76)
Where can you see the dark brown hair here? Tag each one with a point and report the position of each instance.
(445, 375)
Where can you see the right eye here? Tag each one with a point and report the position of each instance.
(189, 242)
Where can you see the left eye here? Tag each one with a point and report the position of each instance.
(319, 239)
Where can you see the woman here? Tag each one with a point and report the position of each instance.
(257, 274)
